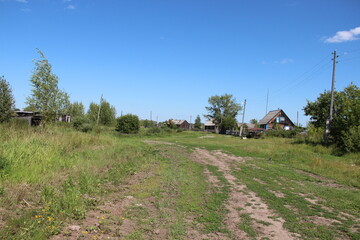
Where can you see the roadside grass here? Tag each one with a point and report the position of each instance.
(308, 206)
(316, 159)
(54, 175)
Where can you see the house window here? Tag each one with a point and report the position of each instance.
(280, 119)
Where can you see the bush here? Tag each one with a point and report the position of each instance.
(128, 124)
(351, 140)
(314, 135)
(281, 133)
(82, 124)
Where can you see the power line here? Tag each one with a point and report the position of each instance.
(296, 82)
(293, 85)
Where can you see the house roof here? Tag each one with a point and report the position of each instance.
(209, 123)
(178, 122)
(269, 116)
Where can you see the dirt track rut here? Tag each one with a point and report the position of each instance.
(240, 197)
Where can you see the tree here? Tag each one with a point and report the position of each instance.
(222, 111)
(197, 124)
(255, 122)
(147, 123)
(346, 112)
(92, 112)
(46, 96)
(107, 113)
(128, 123)
(7, 103)
(76, 109)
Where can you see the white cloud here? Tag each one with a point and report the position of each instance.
(22, 1)
(71, 7)
(344, 36)
(282, 61)
(25, 10)
(66, 0)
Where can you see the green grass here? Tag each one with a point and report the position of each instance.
(298, 212)
(181, 191)
(246, 225)
(52, 170)
(50, 177)
(316, 159)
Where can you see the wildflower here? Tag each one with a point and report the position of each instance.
(84, 232)
(102, 217)
(122, 218)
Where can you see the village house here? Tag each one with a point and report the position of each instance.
(276, 118)
(181, 124)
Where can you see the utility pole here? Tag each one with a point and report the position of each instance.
(267, 101)
(151, 116)
(297, 118)
(190, 123)
(329, 121)
(98, 116)
(242, 125)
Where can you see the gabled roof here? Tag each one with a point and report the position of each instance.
(178, 122)
(271, 115)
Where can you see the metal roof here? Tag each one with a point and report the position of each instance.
(269, 116)
(209, 123)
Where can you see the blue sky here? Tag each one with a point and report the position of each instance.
(170, 56)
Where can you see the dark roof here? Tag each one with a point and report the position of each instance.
(269, 116)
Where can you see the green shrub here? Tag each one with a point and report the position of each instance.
(281, 133)
(128, 123)
(351, 140)
(82, 124)
(314, 135)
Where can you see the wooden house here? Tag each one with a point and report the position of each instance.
(181, 124)
(276, 118)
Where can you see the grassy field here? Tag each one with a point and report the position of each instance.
(57, 183)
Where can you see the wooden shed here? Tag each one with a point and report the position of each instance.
(33, 118)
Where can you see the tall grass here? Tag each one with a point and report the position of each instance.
(47, 175)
